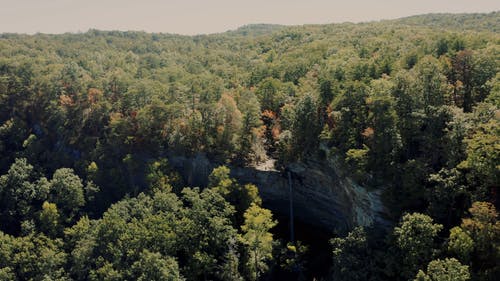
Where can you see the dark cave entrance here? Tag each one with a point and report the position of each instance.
(318, 256)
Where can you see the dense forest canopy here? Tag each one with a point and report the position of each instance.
(87, 122)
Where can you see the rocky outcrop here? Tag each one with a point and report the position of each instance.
(322, 196)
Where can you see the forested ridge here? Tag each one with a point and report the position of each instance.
(87, 122)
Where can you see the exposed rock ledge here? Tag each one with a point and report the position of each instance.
(321, 196)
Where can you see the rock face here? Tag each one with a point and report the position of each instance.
(322, 196)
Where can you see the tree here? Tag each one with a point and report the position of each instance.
(462, 78)
(441, 46)
(352, 259)
(16, 188)
(160, 176)
(408, 194)
(444, 270)
(357, 159)
(19, 194)
(204, 232)
(229, 270)
(448, 197)
(409, 108)
(241, 196)
(154, 267)
(431, 82)
(382, 134)
(269, 94)
(220, 178)
(32, 257)
(494, 95)
(483, 156)
(432, 88)
(485, 69)
(67, 191)
(155, 123)
(106, 272)
(484, 228)
(6, 274)
(49, 219)
(150, 230)
(306, 126)
(470, 73)
(250, 109)
(350, 110)
(293, 259)
(228, 121)
(257, 239)
(415, 239)
(460, 244)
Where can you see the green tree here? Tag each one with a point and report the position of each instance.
(6, 274)
(204, 231)
(257, 239)
(357, 159)
(494, 95)
(431, 82)
(219, 177)
(483, 156)
(462, 66)
(241, 196)
(484, 228)
(49, 219)
(448, 197)
(350, 111)
(270, 94)
(106, 272)
(409, 108)
(382, 135)
(160, 176)
(32, 257)
(67, 192)
(470, 72)
(19, 194)
(155, 267)
(352, 259)
(229, 270)
(250, 109)
(415, 239)
(460, 244)
(444, 270)
(228, 120)
(442, 46)
(306, 126)
(293, 259)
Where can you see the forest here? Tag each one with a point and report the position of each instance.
(90, 123)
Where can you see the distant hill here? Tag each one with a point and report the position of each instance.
(473, 22)
(478, 22)
(256, 29)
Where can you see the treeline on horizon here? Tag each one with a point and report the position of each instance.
(87, 121)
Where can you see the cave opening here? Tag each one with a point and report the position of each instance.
(317, 259)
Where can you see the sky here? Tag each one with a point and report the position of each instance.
(210, 16)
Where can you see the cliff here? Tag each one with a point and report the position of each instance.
(322, 194)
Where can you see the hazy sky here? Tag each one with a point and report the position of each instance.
(209, 16)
